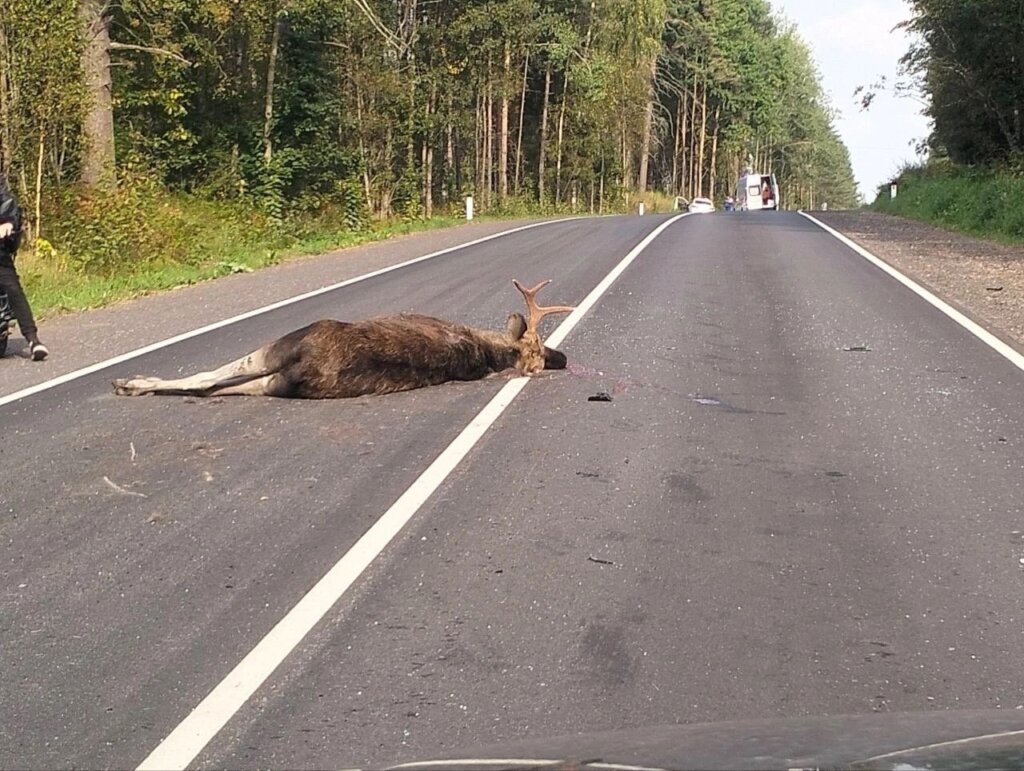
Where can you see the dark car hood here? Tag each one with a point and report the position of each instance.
(928, 740)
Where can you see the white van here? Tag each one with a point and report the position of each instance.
(749, 192)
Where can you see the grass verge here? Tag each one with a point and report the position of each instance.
(221, 240)
(141, 239)
(978, 202)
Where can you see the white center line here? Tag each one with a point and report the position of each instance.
(193, 733)
(78, 373)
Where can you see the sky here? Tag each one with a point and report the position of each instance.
(853, 44)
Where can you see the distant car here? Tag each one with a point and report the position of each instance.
(701, 206)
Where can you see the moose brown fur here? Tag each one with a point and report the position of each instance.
(336, 359)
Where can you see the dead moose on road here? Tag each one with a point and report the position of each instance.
(337, 359)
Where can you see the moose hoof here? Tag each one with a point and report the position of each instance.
(132, 387)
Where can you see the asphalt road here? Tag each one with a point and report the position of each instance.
(760, 524)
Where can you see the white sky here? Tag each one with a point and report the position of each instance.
(853, 44)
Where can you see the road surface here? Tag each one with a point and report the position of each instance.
(761, 523)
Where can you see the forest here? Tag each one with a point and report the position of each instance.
(120, 119)
(966, 67)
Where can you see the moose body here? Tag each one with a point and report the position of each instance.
(337, 359)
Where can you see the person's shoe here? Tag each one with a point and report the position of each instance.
(37, 351)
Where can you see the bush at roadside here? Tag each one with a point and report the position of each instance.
(982, 202)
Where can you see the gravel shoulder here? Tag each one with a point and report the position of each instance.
(982, 279)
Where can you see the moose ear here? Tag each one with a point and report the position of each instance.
(515, 327)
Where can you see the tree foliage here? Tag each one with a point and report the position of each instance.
(395, 107)
(969, 61)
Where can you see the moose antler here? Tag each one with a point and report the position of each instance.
(538, 312)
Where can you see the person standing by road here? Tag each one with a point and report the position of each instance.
(10, 239)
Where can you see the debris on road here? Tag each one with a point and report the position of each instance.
(116, 487)
(131, 446)
(600, 396)
(993, 289)
(588, 474)
(707, 401)
(600, 561)
(857, 348)
(205, 449)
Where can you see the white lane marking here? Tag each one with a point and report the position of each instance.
(193, 733)
(506, 762)
(940, 745)
(971, 326)
(459, 762)
(574, 318)
(78, 373)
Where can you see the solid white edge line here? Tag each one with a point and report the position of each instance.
(192, 734)
(951, 743)
(459, 762)
(971, 326)
(78, 373)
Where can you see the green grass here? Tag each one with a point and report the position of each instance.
(141, 239)
(984, 203)
(185, 241)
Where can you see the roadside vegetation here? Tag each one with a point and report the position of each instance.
(979, 201)
(153, 142)
(966, 67)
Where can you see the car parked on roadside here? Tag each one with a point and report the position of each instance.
(701, 206)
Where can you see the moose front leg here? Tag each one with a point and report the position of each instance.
(249, 367)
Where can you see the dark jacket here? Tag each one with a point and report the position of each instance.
(9, 212)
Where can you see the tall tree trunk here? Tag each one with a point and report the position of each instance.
(410, 128)
(457, 154)
(703, 139)
(645, 149)
(388, 193)
(38, 224)
(428, 178)
(489, 135)
(517, 174)
(480, 147)
(714, 151)
(542, 150)
(561, 126)
(98, 161)
(692, 177)
(449, 159)
(362, 150)
(268, 100)
(676, 146)
(428, 156)
(627, 167)
(683, 139)
(6, 148)
(503, 127)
